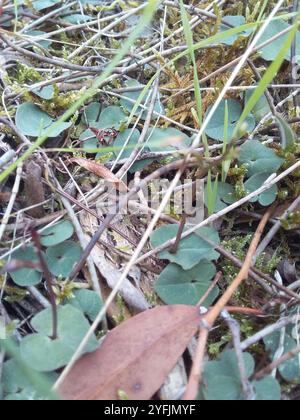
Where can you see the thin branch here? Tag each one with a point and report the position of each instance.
(210, 317)
(49, 281)
(234, 327)
(271, 367)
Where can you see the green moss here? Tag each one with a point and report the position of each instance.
(292, 222)
(118, 319)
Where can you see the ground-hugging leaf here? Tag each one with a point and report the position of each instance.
(267, 389)
(222, 377)
(262, 107)
(122, 140)
(61, 258)
(17, 386)
(110, 117)
(167, 139)
(77, 18)
(270, 52)
(135, 358)
(257, 181)
(33, 122)
(26, 276)
(191, 250)
(46, 93)
(57, 234)
(225, 196)
(42, 353)
(88, 302)
(259, 158)
(234, 21)
(221, 380)
(216, 128)
(186, 287)
(44, 4)
(290, 370)
(128, 104)
(45, 43)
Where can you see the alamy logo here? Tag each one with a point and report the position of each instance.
(2, 328)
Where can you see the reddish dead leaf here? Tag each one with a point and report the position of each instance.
(135, 358)
(102, 172)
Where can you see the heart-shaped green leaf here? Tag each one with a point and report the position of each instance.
(110, 117)
(44, 4)
(191, 250)
(262, 107)
(267, 389)
(178, 286)
(62, 258)
(234, 21)
(222, 377)
(167, 139)
(32, 121)
(44, 43)
(289, 370)
(57, 234)
(88, 301)
(257, 181)
(17, 386)
(46, 92)
(259, 158)
(128, 104)
(42, 353)
(26, 276)
(216, 128)
(270, 51)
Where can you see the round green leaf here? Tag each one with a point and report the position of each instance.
(261, 108)
(167, 139)
(46, 93)
(234, 21)
(134, 96)
(32, 121)
(57, 234)
(191, 250)
(134, 137)
(44, 4)
(259, 158)
(43, 43)
(270, 51)
(267, 389)
(178, 286)
(110, 117)
(216, 129)
(289, 370)
(62, 258)
(26, 276)
(42, 353)
(77, 18)
(222, 377)
(257, 181)
(88, 301)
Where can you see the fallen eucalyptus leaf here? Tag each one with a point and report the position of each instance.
(135, 358)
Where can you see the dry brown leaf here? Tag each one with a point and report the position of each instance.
(102, 172)
(135, 358)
